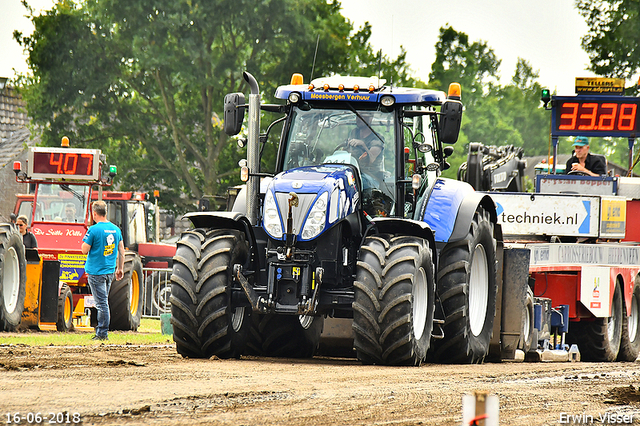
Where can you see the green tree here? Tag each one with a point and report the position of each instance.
(145, 80)
(473, 65)
(612, 41)
(494, 114)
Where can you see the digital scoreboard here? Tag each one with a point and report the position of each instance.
(616, 116)
(64, 164)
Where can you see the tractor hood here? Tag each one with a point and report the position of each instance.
(326, 194)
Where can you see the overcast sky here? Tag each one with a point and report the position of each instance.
(546, 33)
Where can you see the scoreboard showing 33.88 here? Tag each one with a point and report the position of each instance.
(596, 116)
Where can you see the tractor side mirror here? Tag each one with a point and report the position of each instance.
(450, 120)
(234, 105)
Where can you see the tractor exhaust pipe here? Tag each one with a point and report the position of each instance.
(253, 157)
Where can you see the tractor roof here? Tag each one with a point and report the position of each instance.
(359, 89)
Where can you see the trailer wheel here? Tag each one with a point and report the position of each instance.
(65, 309)
(394, 300)
(125, 296)
(287, 336)
(630, 343)
(204, 321)
(467, 291)
(13, 277)
(526, 336)
(599, 340)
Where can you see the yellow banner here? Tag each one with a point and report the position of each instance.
(599, 85)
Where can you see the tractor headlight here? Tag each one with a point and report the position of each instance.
(316, 219)
(271, 218)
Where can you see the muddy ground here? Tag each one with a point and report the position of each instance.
(135, 385)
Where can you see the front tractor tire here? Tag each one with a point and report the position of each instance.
(13, 277)
(467, 291)
(204, 321)
(394, 300)
(125, 296)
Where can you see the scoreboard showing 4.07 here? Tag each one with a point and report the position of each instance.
(617, 116)
(64, 164)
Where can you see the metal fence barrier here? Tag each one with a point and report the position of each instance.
(156, 289)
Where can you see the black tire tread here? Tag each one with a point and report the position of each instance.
(592, 337)
(459, 346)
(10, 237)
(200, 294)
(629, 349)
(383, 305)
(62, 324)
(119, 300)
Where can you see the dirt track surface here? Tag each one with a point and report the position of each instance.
(135, 385)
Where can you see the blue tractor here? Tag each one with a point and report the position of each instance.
(356, 223)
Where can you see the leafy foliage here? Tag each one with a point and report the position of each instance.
(145, 80)
(612, 41)
(494, 115)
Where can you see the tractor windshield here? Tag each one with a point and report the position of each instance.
(61, 203)
(364, 138)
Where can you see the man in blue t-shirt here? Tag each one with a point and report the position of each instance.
(105, 255)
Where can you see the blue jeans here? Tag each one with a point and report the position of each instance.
(100, 286)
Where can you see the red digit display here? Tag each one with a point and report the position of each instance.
(588, 116)
(607, 116)
(607, 121)
(52, 163)
(627, 118)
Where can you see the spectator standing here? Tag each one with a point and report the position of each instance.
(105, 255)
(28, 239)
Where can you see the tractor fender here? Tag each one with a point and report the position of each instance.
(390, 225)
(222, 220)
(450, 207)
(225, 220)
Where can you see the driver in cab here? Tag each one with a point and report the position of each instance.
(584, 162)
(366, 144)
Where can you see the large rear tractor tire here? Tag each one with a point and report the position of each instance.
(394, 300)
(599, 340)
(125, 296)
(65, 309)
(467, 291)
(13, 277)
(630, 344)
(204, 321)
(285, 336)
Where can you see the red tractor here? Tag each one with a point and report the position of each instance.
(63, 183)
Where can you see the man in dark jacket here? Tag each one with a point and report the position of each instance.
(585, 162)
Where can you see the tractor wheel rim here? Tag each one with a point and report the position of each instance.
(420, 303)
(237, 318)
(478, 290)
(134, 292)
(614, 319)
(526, 329)
(633, 318)
(68, 308)
(306, 321)
(11, 279)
